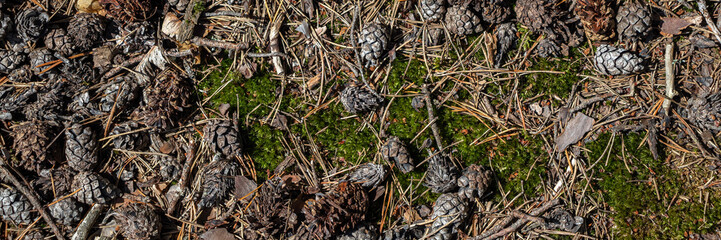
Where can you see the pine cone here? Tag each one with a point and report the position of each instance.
(170, 168)
(93, 188)
(10, 60)
(86, 30)
(218, 182)
(166, 101)
(269, 212)
(617, 61)
(474, 182)
(58, 40)
(395, 152)
(441, 174)
(15, 207)
(357, 99)
(22, 74)
(634, 21)
(537, 15)
(369, 175)
(135, 37)
(120, 94)
(563, 220)
(31, 141)
(449, 213)
(80, 148)
(30, 24)
(432, 10)
(494, 11)
(54, 182)
(5, 25)
(597, 19)
(79, 71)
(405, 232)
(373, 41)
(434, 36)
(48, 105)
(338, 211)
(67, 211)
(129, 10)
(705, 112)
(505, 41)
(222, 137)
(547, 48)
(362, 232)
(134, 141)
(139, 221)
(462, 21)
(36, 235)
(38, 57)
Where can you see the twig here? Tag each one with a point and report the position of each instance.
(275, 46)
(126, 64)
(431, 115)
(204, 42)
(29, 194)
(183, 183)
(533, 213)
(88, 222)
(670, 91)
(707, 17)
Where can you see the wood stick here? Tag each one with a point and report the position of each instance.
(431, 115)
(88, 222)
(275, 46)
(534, 213)
(670, 91)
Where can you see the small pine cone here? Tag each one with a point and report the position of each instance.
(357, 99)
(462, 21)
(362, 232)
(634, 21)
(87, 31)
(129, 10)
(441, 174)
(222, 137)
(494, 12)
(597, 19)
(67, 211)
(268, 211)
(369, 175)
(31, 23)
(5, 25)
(36, 235)
(338, 211)
(395, 152)
(405, 232)
(433, 10)
(137, 140)
(537, 15)
(167, 100)
(15, 207)
(705, 112)
(39, 57)
(218, 182)
(617, 61)
(474, 181)
(79, 71)
(57, 40)
(548, 48)
(169, 168)
(449, 213)
(10, 60)
(120, 94)
(139, 221)
(418, 102)
(80, 148)
(31, 139)
(52, 182)
(434, 36)
(505, 40)
(93, 188)
(135, 37)
(22, 74)
(373, 41)
(47, 107)
(563, 220)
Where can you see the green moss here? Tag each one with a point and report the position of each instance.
(550, 83)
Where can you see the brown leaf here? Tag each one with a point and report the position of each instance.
(243, 186)
(217, 234)
(674, 25)
(576, 128)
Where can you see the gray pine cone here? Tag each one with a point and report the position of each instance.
(5, 25)
(67, 211)
(134, 141)
(357, 99)
(433, 10)
(705, 112)
(119, 94)
(93, 188)
(449, 213)
(39, 57)
(617, 61)
(86, 30)
(505, 40)
(633, 21)
(462, 21)
(362, 232)
(494, 11)
(10, 60)
(30, 24)
(218, 182)
(395, 153)
(405, 232)
(138, 221)
(15, 207)
(80, 148)
(222, 137)
(563, 220)
(474, 181)
(547, 48)
(58, 40)
(373, 41)
(369, 175)
(441, 175)
(170, 168)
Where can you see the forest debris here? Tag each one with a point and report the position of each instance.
(674, 25)
(217, 234)
(576, 128)
(243, 186)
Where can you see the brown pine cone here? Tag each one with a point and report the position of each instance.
(494, 11)
(138, 221)
(338, 211)
(222, 137)
(10, 60)
(5, 25)
(137, 140)
(634, 20)
(432, 10)
(48, 106)
(218, 182)
(462, 21)
(86, 30)
(269, 212)
(373, 41)
(597, 17)
(705, 112)
(537, 15)
(368, 175)
(80, 148)
(38, 57)
(547, 48)
(54, 182)
(30, 142)
(441, 174)
(474, 181)
(93, 188)
(15, 207)
(30, 24)
(67, 211)
(357, 99)
(166, 101)
(129, 10)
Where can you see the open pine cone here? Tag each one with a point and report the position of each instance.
(139, 221)
(269, 212)
(474, 181)
(340, 210)
(31, 24)
(597, 17)
(441, 174)
(86, 30)
(166, 100)
(30, 141)
(222, 137)
(357, 99)
(218, 182)
(129, 10)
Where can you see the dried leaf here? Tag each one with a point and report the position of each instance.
(674, 25)
(574, 131)
(217, 234)
(248, 69)
(171, 25)
(243, 186)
